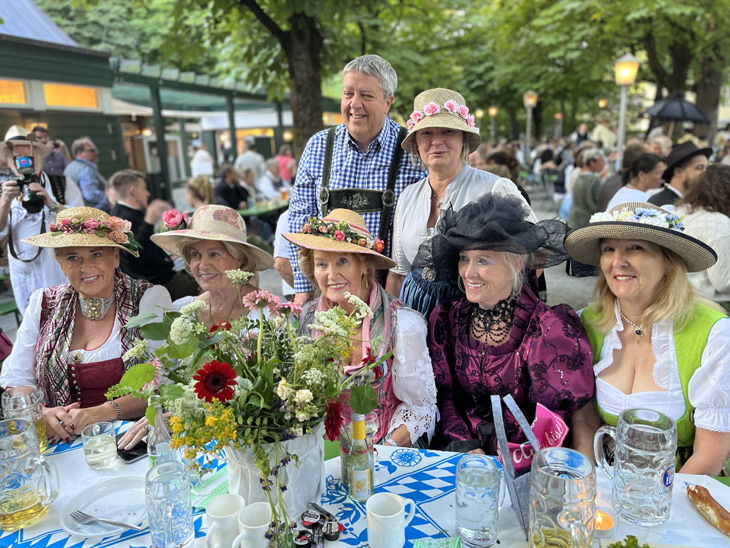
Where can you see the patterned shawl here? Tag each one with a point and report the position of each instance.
(57, 327)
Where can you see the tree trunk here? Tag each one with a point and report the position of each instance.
(305, 70)
(708, 94)
(514, 127)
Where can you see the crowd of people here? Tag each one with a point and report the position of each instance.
(435, 232)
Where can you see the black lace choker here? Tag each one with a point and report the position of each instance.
(494, 323)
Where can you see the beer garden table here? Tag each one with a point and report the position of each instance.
(425, 476)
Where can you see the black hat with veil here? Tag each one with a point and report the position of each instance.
(494, 223)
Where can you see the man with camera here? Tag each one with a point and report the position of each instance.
(27, 207)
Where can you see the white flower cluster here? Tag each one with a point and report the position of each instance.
(327, 325)
(238, 277)
(303, 397)
(313, 377)
(138, 351)
(181, 330)
(188, 406)
(192, 308)
(358, 305)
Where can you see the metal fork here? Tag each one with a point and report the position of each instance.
(84, 519)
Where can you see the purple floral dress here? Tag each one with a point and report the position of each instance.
(546, 360)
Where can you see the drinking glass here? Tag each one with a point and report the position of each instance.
(478, 482)
(29, 482)
(100, 445)
(562, 499)
(167, 489)
(643, 468)
(26, 401)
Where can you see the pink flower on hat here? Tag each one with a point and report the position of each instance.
(410, 125)
(339, 235)
(65, 222)
(323, 229)
(431, 108)
(470, 120)
(172, 218)
(115, 223)
(416, 116)
(452, 106)
(464, 111)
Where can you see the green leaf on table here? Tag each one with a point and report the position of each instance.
(171, 391)
(138, 375)
(363, 399)
(156, 331)
(151, 413)
(180, 351)
(142, 319)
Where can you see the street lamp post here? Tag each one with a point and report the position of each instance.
(529, 99)
(493, 115)
(625, 69)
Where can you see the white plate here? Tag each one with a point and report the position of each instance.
(120, 499)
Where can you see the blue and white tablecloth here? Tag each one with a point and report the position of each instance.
(427, 477)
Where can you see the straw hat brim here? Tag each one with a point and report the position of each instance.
(442, 120)
(583, 244)
(322, 243)
(43, 151)
(75, 239)
(174, 241)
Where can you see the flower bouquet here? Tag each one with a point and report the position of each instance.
(250, 385)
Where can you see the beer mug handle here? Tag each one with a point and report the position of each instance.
(598, 448)
(573, 521)
(412, 511)
(51, 479)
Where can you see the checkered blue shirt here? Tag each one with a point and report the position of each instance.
(351, 168)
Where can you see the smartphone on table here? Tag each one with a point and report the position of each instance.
(136, 453)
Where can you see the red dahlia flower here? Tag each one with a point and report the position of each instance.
(215, 380)
(333, 420)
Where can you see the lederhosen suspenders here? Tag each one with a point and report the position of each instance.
(360, 199)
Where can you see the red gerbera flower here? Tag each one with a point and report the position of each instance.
(223, 326)
(215, 380)
(333, 420)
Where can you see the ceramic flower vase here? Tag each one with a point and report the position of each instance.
(304, 483)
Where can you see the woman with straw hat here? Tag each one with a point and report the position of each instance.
(656, 343)
(500, 338)
(340, 257)
(73, 340)
(213, 242)
(441, 136)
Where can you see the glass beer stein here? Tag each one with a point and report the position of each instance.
(29, 482)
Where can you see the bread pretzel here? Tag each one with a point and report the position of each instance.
(709, 508)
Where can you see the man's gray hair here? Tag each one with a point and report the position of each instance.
(377, 67)
(270, 162)
(78, 145)
(591, 155)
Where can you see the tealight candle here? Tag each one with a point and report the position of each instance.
(604, 521)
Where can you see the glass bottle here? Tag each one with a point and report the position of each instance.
(360, 463)
(158, 440)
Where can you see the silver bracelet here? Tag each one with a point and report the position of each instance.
(117, 408)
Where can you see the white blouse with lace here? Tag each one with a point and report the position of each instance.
(709, 388)
(412, 374)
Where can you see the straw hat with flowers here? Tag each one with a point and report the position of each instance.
(638, 221)
(440, 108)
(18, 135)
(342, 231)
(87, 227)
(209, 222)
